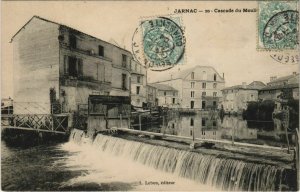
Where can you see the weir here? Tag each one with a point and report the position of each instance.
(218, 172)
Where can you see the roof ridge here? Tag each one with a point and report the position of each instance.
(46, 20)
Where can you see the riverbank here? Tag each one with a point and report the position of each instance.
(26, 138)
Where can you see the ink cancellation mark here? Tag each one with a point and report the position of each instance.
(281, 31)
(278, 26)
(162, 43)
(286, 58)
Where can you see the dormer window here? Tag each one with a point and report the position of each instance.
(192, 75)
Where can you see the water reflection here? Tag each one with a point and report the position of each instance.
(237, 128)
(211, 126)
(203, 127)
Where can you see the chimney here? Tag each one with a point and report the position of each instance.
(273, 78)
(244, 85)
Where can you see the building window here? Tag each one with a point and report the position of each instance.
(203, 122)
(192, 94)
(192, 84)
(138, 90)
(173, 100)
(124, 81)
(74, 67)
(214, 123)
(192, 75)
(203, 93)
(173, 125)
(203, 132)
(215, 85)
(203, 104)
(214, 103)
(138, 101)
(66, 65)
(165, 93)
(191, 132)
(124, 60)
(192, 122)
(101, 51)
(215, 77)
(174, 93)
(203, 85)
(138, 78)
(73, 41)
(214, 94)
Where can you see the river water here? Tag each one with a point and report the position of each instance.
(69, 166)
(232, 128)
(112, 163)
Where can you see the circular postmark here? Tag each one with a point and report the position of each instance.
(281, 31)
(158, 43)
(286, 58)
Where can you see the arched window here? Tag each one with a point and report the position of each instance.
(215, 77)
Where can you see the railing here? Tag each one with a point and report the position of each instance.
(38, 122)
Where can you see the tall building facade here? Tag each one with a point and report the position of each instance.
(166, 96)
(54, 63)
(198, 87)
(287, 84)
(235, 98)
(152, 100)
(138, 84)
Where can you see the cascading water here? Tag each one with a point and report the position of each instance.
(220, 173)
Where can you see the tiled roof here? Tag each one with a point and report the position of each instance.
(255, 85)
(162, 87)
(274, 87)
(285, 78)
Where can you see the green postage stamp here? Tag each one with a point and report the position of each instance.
(159, 43)
(278, 25)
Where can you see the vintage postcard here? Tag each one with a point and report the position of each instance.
(150, 95)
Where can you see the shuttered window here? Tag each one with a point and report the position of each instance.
(66, 65)
(73, 66)
(101, 72)
(80, 67)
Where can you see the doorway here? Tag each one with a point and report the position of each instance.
(192, 104)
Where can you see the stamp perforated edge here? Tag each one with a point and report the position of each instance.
(260, 49)
(184, 59)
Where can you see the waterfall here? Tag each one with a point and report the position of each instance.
(221, 173)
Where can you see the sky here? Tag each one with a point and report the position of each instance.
(226, 41)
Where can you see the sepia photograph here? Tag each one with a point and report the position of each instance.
(150, 95)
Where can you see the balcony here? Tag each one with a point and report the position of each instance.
(84, 81)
